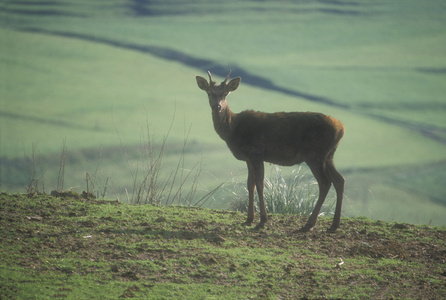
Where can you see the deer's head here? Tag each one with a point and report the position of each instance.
(217, 93)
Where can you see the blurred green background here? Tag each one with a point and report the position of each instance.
(97, 74)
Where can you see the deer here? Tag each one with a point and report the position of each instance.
(282, 138)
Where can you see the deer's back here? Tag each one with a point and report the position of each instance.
(283, 138)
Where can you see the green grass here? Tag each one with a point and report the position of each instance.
(289, 194)
(70, 247)
(79, 70)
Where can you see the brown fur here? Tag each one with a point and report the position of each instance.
(281, 138)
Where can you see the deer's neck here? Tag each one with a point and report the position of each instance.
(222, 122)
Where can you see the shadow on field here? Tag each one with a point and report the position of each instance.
(150, 8)
(47, 121)
(435, 71)
(432, 132)
(40, 8)
(195, 62)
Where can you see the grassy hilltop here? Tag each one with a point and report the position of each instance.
(73, 247)
(108, 77)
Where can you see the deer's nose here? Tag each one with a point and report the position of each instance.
(216, 107)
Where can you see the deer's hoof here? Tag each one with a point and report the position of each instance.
(259, 226)
(247, 223)
(306, 228)
(332, 229)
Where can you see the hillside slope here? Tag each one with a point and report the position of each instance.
(69, 246)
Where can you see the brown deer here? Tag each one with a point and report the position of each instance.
(280, 138)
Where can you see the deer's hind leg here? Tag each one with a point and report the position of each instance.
(338, 182)
(319, 171)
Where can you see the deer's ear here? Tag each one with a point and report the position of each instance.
(233, 84)
(202, 83)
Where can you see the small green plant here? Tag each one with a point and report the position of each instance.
(295, 194)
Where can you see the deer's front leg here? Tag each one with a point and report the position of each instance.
(251, 188)
(259, 172)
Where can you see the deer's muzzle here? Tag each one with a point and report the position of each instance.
(216, 107)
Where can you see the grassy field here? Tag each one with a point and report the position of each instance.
(71, 247)
(96, 74)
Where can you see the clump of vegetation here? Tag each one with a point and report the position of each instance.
(294, 194)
